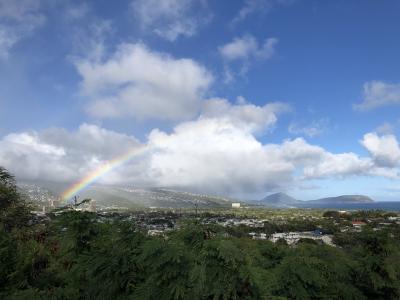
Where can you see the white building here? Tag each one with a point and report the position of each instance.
(236, 205)
(258, 236)
(92, 206)
(293, 237)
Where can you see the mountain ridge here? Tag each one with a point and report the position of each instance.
(345, 199)
(279, 199)
(283, 200)
(130, 197)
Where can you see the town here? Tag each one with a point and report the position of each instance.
(289, 226)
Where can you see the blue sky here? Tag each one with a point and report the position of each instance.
(316, 77)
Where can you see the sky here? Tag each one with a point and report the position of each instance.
(233, 98)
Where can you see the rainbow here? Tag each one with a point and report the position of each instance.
(100, 171)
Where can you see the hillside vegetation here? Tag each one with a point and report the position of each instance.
(78, 255)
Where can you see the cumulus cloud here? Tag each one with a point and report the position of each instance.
(384, 149)
(99, 142)
(257, 7)
(378, 94)
(59, 155)
(170, 19)
(316, 162)
(339, 165)
(137, 82)
(217, 156)
(18, 19)
(247, 47)
(245, 115)
(239, 54)
(212, 154)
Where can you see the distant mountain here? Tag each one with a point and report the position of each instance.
(38, 195)
(151, 197)
(282, 200)
(127, 197)
(343, 199)
(279, 200)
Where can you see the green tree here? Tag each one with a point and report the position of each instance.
(14, 211)
(378, 271)
(315, 272)
(109, 268)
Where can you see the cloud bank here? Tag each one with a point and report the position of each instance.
(142, 84)
(216, 153)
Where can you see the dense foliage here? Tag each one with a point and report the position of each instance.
(77, 255)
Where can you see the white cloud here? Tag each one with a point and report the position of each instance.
(212, 154)
(99, 142)
(243, 114)
(339, 165)
(378, 94)
(384, 149)
(257, 7)
(215, 156)
(316, 162)
(384, 160)
(170, 19)
(239, 54)
(222, 136)
(247, 47)
(58, 155)
(137, 82)
(313, 129)
(18, 19)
